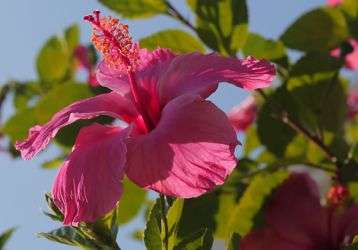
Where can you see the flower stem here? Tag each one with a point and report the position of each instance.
(177, 15)
(164, 219)
(285, 118)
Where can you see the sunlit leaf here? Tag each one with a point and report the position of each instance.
(52, 61)
(262, 48)
(25, 93)
(222, 25)
(18, 125)
(58, 98)
(318, 30)
(69, 236)
(5, 236)
(131, 201)
(200, 240)
(152, 232)
(72, 37)
(243, 217)
(173, 217)
(136, 8)
(177, 40)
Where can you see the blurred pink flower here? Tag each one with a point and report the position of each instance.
(244, 114)
(295, 220)
(334, 2)
(82, 55)
(352, 102)
(351, 60)
(177, 143)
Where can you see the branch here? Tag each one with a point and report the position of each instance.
(177, 15)
(285, 118)
(165, 221)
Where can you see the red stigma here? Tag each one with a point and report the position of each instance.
(337, 195)
(112, 39)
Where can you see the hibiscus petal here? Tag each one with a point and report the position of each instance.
(345, 226)
(352, 58)
(295, 211)
(151, 66)
(113, 79)
(148, 71)
(189, 152)
(267, 239)
(200, 74)
(110, 104)
(243, 115)
(88, 184)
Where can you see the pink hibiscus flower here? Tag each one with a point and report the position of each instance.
(243, 115)
(352, 102)
(351, 60)
(177, 143)
(295, 220)
(334, 2)
(82, 55)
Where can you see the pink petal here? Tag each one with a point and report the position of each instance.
(148, 71)
(268, 239)
(295, 211)
(243, 115)
(200, 74)
(110, 104)
(189, 152)
(352, 58)
(88, 184)
(334, 2)
(113, 79)
(151, 66)
(346, 225)
(81, 54)
(352, 102)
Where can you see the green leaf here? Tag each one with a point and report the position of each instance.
(272, 132)
(252, 141)
(173, 216)
(72, 37)
(54, 213)
(200, 240)
(350, 10)
(69, 236)
(131, 201)
(311, 68)
(262, 48)
(199, 213)
(17, 126)
(354, 246)
(318, 30)
(5, 236)
(52, 61)
(25, 92)
(136, 8)
(320, 95)
(221, 25)
(58, 98)
(54, 163)
(243, 216)
(234, 241)
(152, 234)
(177, 40)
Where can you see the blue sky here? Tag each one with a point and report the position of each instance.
(25, 25)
